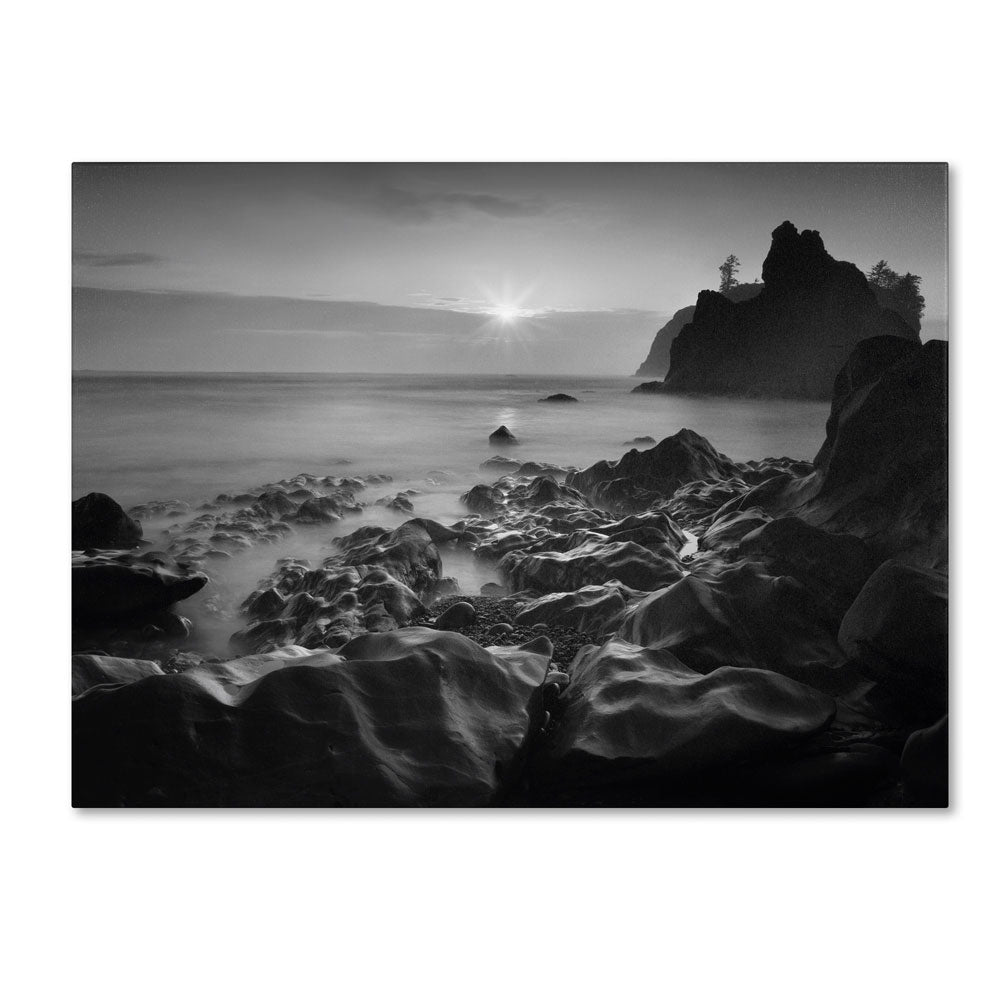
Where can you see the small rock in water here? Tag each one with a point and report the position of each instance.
(456, 616)
(502, 435)
(559, 397)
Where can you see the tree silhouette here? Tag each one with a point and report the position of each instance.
(899, 292)
(729, 268)
(882, 276)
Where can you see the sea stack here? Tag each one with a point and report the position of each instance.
(792, 338)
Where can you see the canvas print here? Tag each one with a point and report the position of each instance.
(520, 485)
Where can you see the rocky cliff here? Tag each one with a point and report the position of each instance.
(792, 338)
(658, 361)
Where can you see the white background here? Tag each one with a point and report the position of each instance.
(689, 904)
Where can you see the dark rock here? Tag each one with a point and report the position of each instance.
(594, 562)
(411, 717)
(264, 604)
(741, 616)
(658, 361)
(632, 712)
(789, 340)
(100, 523)
(924, 766)
(107, 589)
(832, 567)
(681, 458)
(500, 465)
(457, 615)
(644, 439)
(882, 473)
(595, 609)
(90, 671)
(559, 397)
(850, 777)
(407, 553)
(483, 499)
(502, 436)
(897, 630)
(264, 636)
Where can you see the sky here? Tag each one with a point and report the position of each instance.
(547, 267)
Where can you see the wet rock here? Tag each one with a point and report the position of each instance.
(263, 636)
(924, 766)
(594, 562)
(100, 523)
(594, 609)
(559, 397)
(499, 465)
(400, 503)
(882, 473)
(457, 615)
(483, 499)
(411, 717)
(406, 553)
(851, 777)
(125, 587)
(90, 671)
(502, 435)
(264, 604)
(897, 630)
(832, 567)
(631, 713)
(682, 458)
(739, 615)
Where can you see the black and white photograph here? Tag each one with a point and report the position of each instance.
(510, 484)
(513, 487)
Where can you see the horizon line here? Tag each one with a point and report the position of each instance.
(262, 371)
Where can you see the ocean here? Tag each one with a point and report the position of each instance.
(157, 436)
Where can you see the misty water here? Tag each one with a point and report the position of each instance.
(144, 437)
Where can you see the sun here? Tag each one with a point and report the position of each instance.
(506, 314)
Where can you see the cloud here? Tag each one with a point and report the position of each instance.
(414, 206)
(191, 331)
(90, 258)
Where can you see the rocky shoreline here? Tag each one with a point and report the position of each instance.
(795, 655)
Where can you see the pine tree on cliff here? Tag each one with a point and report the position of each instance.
(899, 292)
(729, 268)
(881, 275)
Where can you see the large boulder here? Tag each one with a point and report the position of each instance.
(90, 670)
(405, 718)
(832, 567)
(595, 609)
(789, 340)
(633, 713)
(593, 562)
(483, 499)
(882, 472)
(125, 587)
(683, 457)
(741, 616)
(897, 630)
(924, 766)
(100, 523)
(407, 553)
